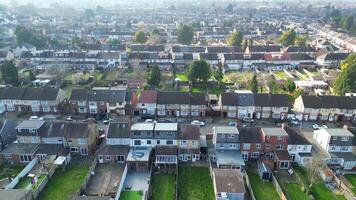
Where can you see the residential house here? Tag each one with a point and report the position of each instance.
(299, 148)
(28, 131)
(113, 153)
(19, 152)
(251, 142)
(7, 133)
(119, 134)
(232, 61)
(139, 159)
(166, 134)
(82, 137)
(325, 108)
(46, 151)
(147, 103)
(273, 106)
(331, 60)
(211, 58)
(166, 157)
(228, 184)
(226, 137)
(274, 139)
(189, 143)
(338, 143)
(54, 133)
(142, 135)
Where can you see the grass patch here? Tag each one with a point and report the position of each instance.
(294, 191)
(163, 187)
(64, 183)
(130, 195)
(183, 77)
(261, 188)
(281, 75)
(352, 179)
(194, 183)
(10, 170)
(237, 77)
(26, 181)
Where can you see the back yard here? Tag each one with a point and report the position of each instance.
(260, 188)
(10, 170)
(131, 195)
(64, 183)
(163, 187)
(352, 179)
(194, 183)
(292, 188)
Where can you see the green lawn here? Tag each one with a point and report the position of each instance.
(25, 181)
(163, 187)
(261, 188)
(294, 191)
(10, 170)
(352, 179)
(194, 183)
(281, 75)
(183, 77)
(64, 183)
(130, 195)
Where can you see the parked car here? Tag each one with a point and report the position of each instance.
(294, 121)
(181, 121)
(69, 118)
(150, 121)
(36, 118)
(164, 120)
(101, 130)
(107, 121)
(248, 120)
(232, 123)
(197, 123)
(317, 126)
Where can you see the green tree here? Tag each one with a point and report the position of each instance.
(287, 38)
(154, 77)
(218, 74)
(22, 34)
(289, 85)
(253, 84)
(348, 61)
(31, 76)
(347, 22)
(346, 80)
(185, 34)
(300, 41)
(140, 37)
(200, 71)
(9, 73)
(236, 39)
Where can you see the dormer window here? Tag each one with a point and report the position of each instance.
(31, 130)
(345, 139)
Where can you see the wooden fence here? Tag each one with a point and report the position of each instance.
(278, 188)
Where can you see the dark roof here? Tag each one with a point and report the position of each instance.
(245, 99)
(148, 96)
(107, 95)
(189, 132)
(208, 56)
(295, 137)
(295, 49)
(142, 47)
(80, 129)
(334, 56)
(79, 95)
(166, 150)
(119, 130)
(29, 93)
(283, 155)
(300, 56)
(188, 49)
(348, 102)
(250, 135)
(229, 181)
(188, 56)
(181, 98)
(142, 56)
(53, 129)
(264, 48)
(229, 99)
(233, 56)
(223, 49)
(11, 93)
(20, 148)
(8, 132)
(49, 149)
(271, 100)
(114, 150)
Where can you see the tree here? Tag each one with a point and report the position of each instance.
(22, 34)
(154, 77)
(236, 39)
(250, 42)
(287, 38)
(300, 41)
(289, 85)
(312, 168)
(253, 85)
(348, 61)
(154, 39)
(9, 73)
(185, 34)
(347, 23)
(140, 37)
(114, 42)
(346, 80)
(218, 74)
(245, 45)
(199, 70)
(31, 76)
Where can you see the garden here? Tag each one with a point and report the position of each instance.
(131, 195)
(163, 187)
(261, 188)
(352, 179)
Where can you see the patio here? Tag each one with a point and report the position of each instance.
(137, 181)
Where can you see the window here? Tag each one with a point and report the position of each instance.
(305, 147)
(142, 104)
(69, 140)
(137, 142)
(82, 141)
(334, 137)
(25, 158)
(284, 165)
(148, 141)
(158, 141)
(333, 148)
(221, 145)
(258, 146)
(344, 138)
(246, 146)
(183, 142)
(73, 149)
(255, 154)
(194, 142)
(169, 142)
(344, 148)
(232, 146)
(31, 131)
(8, 155)
(107, 157)
(34, 140)
(279, 146)
(279, 137)
(231, 136)
(120, 158)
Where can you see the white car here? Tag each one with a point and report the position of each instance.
(36, 118)
(294, 121)
(247, 119)
(316, 126)
(151, 121)
(197, 123)
(69, 118)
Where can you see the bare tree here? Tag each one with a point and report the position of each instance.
(313, 166)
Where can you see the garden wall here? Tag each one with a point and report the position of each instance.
(23, 173)
(249, 187)
(278, 188)
(121, 185)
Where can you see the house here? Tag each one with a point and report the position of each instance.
(82, 137)
(7, 133)
(228, 184)
(226, 137)
(308, 50)
(299, 148)
(146, 103)
(251, 143)
(325, 108)
(282, 160)
(119, 134)
(166, 134)
(211, 58)
(79, 101)
(54, 133)
(19, 152)
(338, 143)
(273, 106)
(237, 105)
(181, 104)
(232, 61)
(142, 134)
(189, 143)
(309, 86)
(31, 99)
(45, 151)
(28, 131)
(113, 153)
(166, 157)
(331, 59)
(274, 139)
(139, 159)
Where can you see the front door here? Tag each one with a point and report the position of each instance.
(194, 158)
(101, 159)
(185, 157)
(83, 151)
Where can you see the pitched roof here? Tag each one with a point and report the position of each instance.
(80, 129)
(113, 150)
(334, 56)
(295, 137)
(29, 93)
(189, 132)
(274, 131)
(20, 148)
(119, 130)
(107, 95)
(250, 135)
(143, 47)
(148, 96)
(294, 49)
(208, 56)
(329, 101)
(271, 100)
(229, 181)
(53, 129)
(181, 98)
(233, 56)
(49, 149)
(79, 95)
